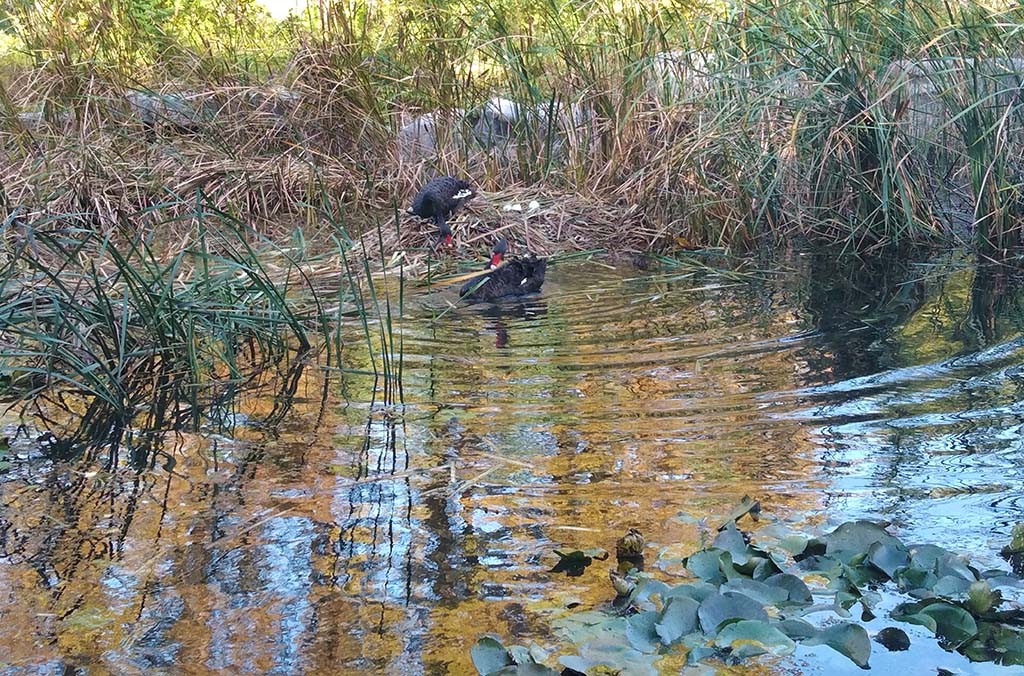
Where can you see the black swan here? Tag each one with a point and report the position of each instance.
(438, 199)
(514, 277)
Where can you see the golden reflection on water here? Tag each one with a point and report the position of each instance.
(337, 542)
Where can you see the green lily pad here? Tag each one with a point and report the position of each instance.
(797, 629)
(489, 655)
(952, 623)
(698, 591)
(854, 537)
(957, 566)
(847, 639)
(641, 632)
(528, 669)
(719, 608)
(924, 557)
(709, 565)
(888, 558)
(950, 586)
(747, 638)
(796, 591)
(759, 591)
(610, 653)
(678, 619)
(731, 540)
(915, 578)
(745, 506)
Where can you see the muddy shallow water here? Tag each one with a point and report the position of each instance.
(359, 538)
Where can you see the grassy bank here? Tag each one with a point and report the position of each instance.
(866, 124)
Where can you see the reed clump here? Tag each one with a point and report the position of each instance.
(868, 125)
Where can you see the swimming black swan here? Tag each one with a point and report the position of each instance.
(438, 199)
(516, 277)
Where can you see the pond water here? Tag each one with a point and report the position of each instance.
(353, 537)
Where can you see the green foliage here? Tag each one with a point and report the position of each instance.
(740, 609)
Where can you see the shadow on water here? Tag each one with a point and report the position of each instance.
(292, 531)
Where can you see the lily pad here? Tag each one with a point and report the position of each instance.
(854, 537)
(759, 591)
(719, 608)
(952, 623)
(951, 564)
(731, 540)
(754, 637)
(641, 632)
(847, 639)
(888, 558)
(745, 506)
(678, 619)
(489, 655)
(796, 591)
(528, 669)
(797, 629)
(698, 591)
(709, 564)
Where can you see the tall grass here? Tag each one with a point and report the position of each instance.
(114, 336)
(728, 124)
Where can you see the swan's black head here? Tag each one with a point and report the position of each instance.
(499, 250)
(444, 232)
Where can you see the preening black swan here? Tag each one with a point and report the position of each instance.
(517, 277)
(438, 199)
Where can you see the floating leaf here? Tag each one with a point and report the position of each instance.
(745, 506)
(924, 557)
(731, 540)
(489, 655)
(759, 591)
(893, 639)
(952, 623)
(915, 578)
(678, 619)
(641, 633)
(854, 537)
(847, 639)
(887, 557)
(754, 637)
(797, 629)
(698, 591)
(708, 565)
(796, 590)
(950, 585)
(527, 669)
(718, 608)
(951, 564)
(765, 567)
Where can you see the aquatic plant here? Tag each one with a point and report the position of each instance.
(746, 601)
(106, 333)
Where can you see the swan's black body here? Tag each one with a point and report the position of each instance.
(517, 277)
(438, 199)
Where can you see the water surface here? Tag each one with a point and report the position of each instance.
(354, 537)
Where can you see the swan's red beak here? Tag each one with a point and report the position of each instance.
(448, 240)
(495, 260)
